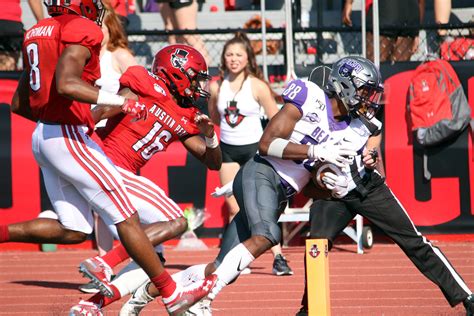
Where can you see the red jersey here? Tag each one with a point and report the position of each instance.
(42, 47)
(130, 144)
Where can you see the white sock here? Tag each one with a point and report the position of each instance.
(130, 278)
(234, 262)
(190, 275)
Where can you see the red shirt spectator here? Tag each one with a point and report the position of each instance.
(11, 10)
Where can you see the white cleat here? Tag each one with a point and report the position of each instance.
(202, 308)
(137, 301)
(182, 299)
(85, 308)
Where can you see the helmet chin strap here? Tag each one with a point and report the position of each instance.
(337, 88)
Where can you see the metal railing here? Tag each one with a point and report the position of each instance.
(311, 46)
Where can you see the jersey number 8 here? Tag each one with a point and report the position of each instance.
(33, 60)
(291, 91)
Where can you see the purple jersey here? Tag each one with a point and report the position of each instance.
(317, 126)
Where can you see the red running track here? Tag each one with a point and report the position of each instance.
(380, 282)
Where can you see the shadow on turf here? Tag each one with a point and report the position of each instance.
(49, 284)
(177, 266)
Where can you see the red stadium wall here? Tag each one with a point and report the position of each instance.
(442, 205)
(446, 200)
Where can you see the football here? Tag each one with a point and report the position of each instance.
(318, 171)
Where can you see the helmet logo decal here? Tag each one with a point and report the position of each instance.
(179, 58)
(349, 66)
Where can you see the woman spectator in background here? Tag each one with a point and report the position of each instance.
(115, 56)
(235, 105)
(396, 44)
(182, 15)
(122, 8)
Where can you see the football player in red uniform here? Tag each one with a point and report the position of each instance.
(178, 77)
(61, 54)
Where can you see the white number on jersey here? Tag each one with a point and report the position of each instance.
(292, 91)
(156, 145)
(33, 60)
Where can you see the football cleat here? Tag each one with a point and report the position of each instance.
(89, 288)
(202, 308)
(280, 266)
(99, 272)
(185, 297)
(302, 312)
(137, 301)
(85, 308)
(469, 305)
(218, 286)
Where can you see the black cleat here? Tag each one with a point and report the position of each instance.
(469, 305)
(280, 266)
(302, 312)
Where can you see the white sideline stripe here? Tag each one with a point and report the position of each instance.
(344, 276)
(293, 309)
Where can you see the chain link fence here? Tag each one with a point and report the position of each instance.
(313, 45)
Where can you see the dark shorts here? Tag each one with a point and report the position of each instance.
(239, 154)
(11, 36)
(400, 14)
(261, 198)
(178, 4)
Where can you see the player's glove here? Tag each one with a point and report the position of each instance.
(135, 109)
(340, 154)
(338, 184)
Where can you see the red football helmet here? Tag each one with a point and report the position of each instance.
(184, 69)
(92, 9)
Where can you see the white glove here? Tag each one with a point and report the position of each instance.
(338, 184)
(340, 154)
(225, 190)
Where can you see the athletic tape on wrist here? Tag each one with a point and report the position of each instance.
(212, 142)
(107, 98)
(277, 146)
(311, 153)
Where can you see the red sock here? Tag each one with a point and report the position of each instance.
(164, 283)
(4, 236)
(101, 300)
(115, 256)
